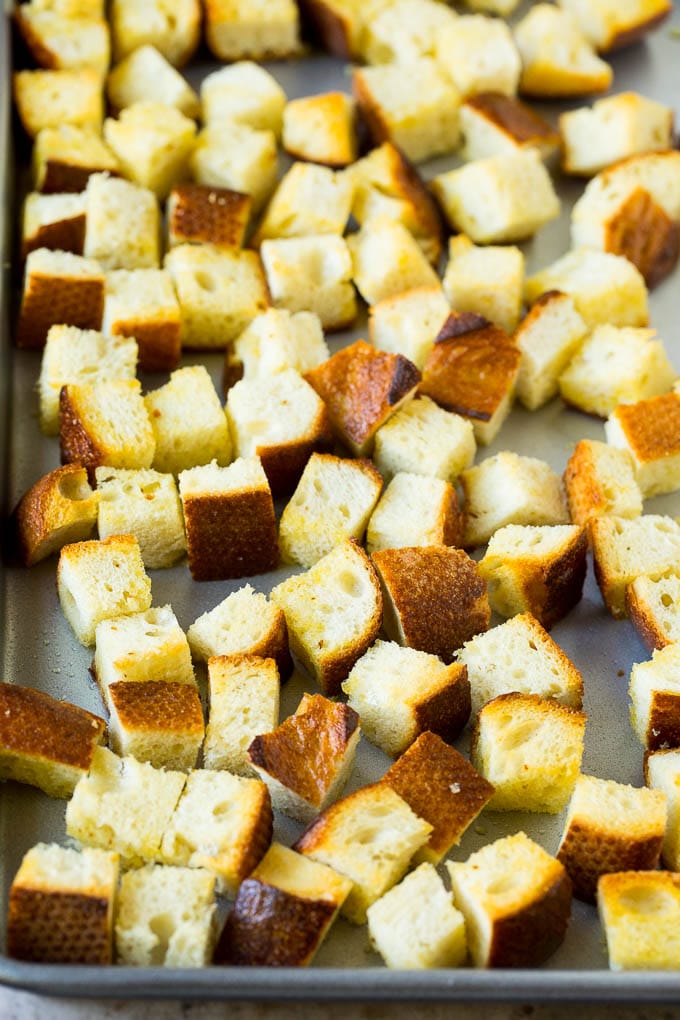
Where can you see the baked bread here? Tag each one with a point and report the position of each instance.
(312, 274)
(152, 142)
(243, 698)
(321, 129)
(487, 280)
(609, 26)
(58, 509)
(161, 723)
(408, 323)
(59, 288)
(174, 33)
(309, 200)
(237, 157)
(662, 772)
(122, 229)
(558, 61)
(235, 29)
(599, 481)
(188, 422)
(50, 99)
(143, 503)
(145, 647)
(142, 303)
(54, 221)
(64, 156)
(415, 510)
(339, 25)
(639, 912)
(494, 123)
(548, 337)
(275, 341)
(388, 260)
(201, 215)
(245, 93)
(650, 430)
(653, 606)
(422, 438)
(405, 30)
(146, 75)
(623, 550)
(654, 692)
(479, 54)
(105, 423)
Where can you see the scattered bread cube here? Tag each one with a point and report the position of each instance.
(174, 32)
(639, 912)
(309, 200)
(59, 41)
(246, 93)
(122, 229)
(105, 423)
(662, 772)
(236, 157)
(653, 605)
(623, 550)
(152, 142)
(186, 440)
(654, 691)
(558, 61)
(161, 723)
(50, 99)
(275, 341)
(340, 24)
(144, 647)
(145, 75)
(600, 481)
(321, 129)
(388, 260)
(486, 280)
(58, 509)
(64, 156)
(59, 288)
(202, 215)
(493, 123)
(55, 221)
(145, 504)
(422, 438)
(479, 54)
(407, 323)
(650, 430)
(609, 25)
(235, 29)
(548, 337)
(141, 303)
(312, 274)
(243, 695)
(405, 30)
(415, 510)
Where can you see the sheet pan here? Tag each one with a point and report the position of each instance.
(39, 649)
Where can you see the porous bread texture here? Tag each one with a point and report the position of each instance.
(662, 772)
(99, 580)
(309, 200)
(321, 129)
(493, 123)
(609, 25)
(529, 748)
(275, 341)
(261, 29)
(122, 228)
(416, 926)
(487, 280)
(654, 692)
(60, 41)
(58, 509)
(50, 99)
(600, 481)
(244, 93)
(188, 422)
(519, 655)
(408, 322)
(105, 422)
(415, 510)
(143, 503)
(623, 550)
(152, 142)
(143, 647)
(558, 60)
(610, 827)
(166, 917)
(639, 912)
(388, 260)
(479, 54)
(174, 29)
(312, 274)
(548, 337)
(650, 431)
(54, 221)
(64, 156)
(405, 30)
(243, 695)
(424, 439)
(160, 723)
(59, 288)
(238, 157)
(653, 605)
(146, 75)
(142, 304)
(531, 493)
(333, 501)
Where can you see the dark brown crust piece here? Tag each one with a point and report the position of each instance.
(369, 110)
(460, 323)
(59, 927)
(33, 518)
(647, 627)
(207, 215)
(447, 710)
(514, 117)
(284, 463)
(231, 534)
(61, 176)
(453, 525)
(643, 232)
(328, 25)
(588, 852)
(61, 235)
(529, 936)
(76, 445)
(652, 427)
(159, 343)
(158, 706)
(49, 300)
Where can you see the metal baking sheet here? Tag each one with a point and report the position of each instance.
(40, 650)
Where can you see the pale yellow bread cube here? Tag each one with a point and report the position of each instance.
(64, 156)
(415, 510)
(55, 221)
(58, 509)
(424, 439)
(388, 260)
(321, 129)
(405, 30)
(238, 157)
(654, 608)
(152, 142)
(610, 25)
(549, 336)
(123, 224)
(312, 274)
(479, 54)
(600, 481)
(142, 303)
(341, 24)
(487, 280)
(60, 288)
(160, 723)
(105, 423)
(639, 912)
(184, 440)
(174, 28)
(60, 41)
(246, 93)
(145, 75)
(243, 695)
(309, 200)
(144, 647)
(260, 29)
(662, 772)
(558, 61)
(493, 123)
(50, 99)
(650, 430)
(623, 550)
(143, 503)
(408, 322)
(614, 128)
(654, 692)
(275, 341)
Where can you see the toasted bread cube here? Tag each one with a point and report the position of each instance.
(388, 260)
(472, 370)
(53, 221)
(408, 323)
(238, 158)
(145, 504)
(400, 693)
(280, 419)
(548, 338)
(45, 742)
(650, 430)
(203, 215)
(244, 702)
(532, 493)
(498, 199)
(59, 287)
(370, 836)
(415, 581)
(123, 224)
(558, 61)
(417, 111)
(99, 580)
(312, 274)
(655, 699)
(493, 123)
(105, 423)
(405, 30)
(229, 520)
(219, 292)
(614, 128)
(623, 550)
(152, 142)
(422, 438)
(536, 569)
(58, 509)
(161, 723)
(61, 41)
(519, 655)
(50, 99)
(662, 772)
(609, 26)
(441, 786)
(516, 900)
(245, 93)
(282, 911)
(275, 341)
(333, 613)
(489, 281)
(245, 623)
(606, 289)
(64, 156)
(144, 647)
(600, 480)
(174, 31)
(309, 200)
(61, 905)
(416, 926)
(610, 827)
(222, 823)
(639, 911)
(145, 75)
(186, 440)
(415, 510)
(530, 749)
(321, 129)
(362, 388)
(235, 29)
(654, 608)
(185, 900)
(141, 303)
(306, 761)
(479, 54)
(340, 24)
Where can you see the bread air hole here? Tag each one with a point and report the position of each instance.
(74, 488)
(162, 927)
(511, 740)
(666, 601)
(641, 900)
(503, 885)
(350, 584)
(205, 281)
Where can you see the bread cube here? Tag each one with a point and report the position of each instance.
(262, 30)
(493, 123)
(623, 550)
(60, 41)
(59, 288)
(606, 289)
(238, 158)
(100, 580)
(639, 911)
(532, 493)
(50, 99)
(558, 60)
(175, 32)
(203, 215)
(58, 509)
(333, 613)
(650, 430)
(184, 898)
(340, 24)
(321, 129)
(161, 723)
(516, 900)
(422, 438)
(415, 510)
(502, 198)
(53, 221)
(245, 93)
(536, 569)
(282, 911)
(312, 274)
(479, 54)
(307, 760)
(388, 260)
(655, 699)
(362, 388)
(548, 338)
(407, 323)
(222, 823)
(45, 742)
(416, 926)
(653, 606)
(400, 693)
(245, 623)
(123, 224)
(219, 292)
(105, 423)
(64, 156)
(61, 904)
(609, 26)
(519, 655)
(73, 8)
(243, 694)
(141, 303)
(144, 647)
(405, 30)
(275, 341)
(370, 836)
(614, 128)
(472, 370)
(488, 281)
(417, 111)
(600, 481)
(309, 200)
(186, 440)
(610, 827)
(662, 772)
(145, 75)
(143, 503)
(152, 142)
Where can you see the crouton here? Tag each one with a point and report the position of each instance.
(122, 229)
(235, 29)
(424, 439)
(654, 691)
(639, 912)
(408, 323)
(236, 157)
(152, 142)
(388, 260)
(105, 423)
(650, 430)
(312, 274)
(609, 27)
(558, 60)
(64, 156)
(146, 75)
(58, 509)
(187, 440)
(321, 129)
(51, 99)
(488, 281)
(243, 695)
(548, 338)
(53, 221)
(493, 123)
(653, 606)
(143, 503)
(59, 288)
(309, 200)
(160, 723)
(479, 54)
(623, 550)
(143, 647)
(600, 481)
(141, 303)
(174, 30)
(415, 510)
(202, 215)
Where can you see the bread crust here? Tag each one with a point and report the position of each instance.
(76, 444)
(514, 118)
(628, 36)
(61, 176)
(64, 235)
(54, 512)
(284, 463)
(370, 111)
(652, 427)
(55, 299)
(644, 233)
(204, 215)
(528, 936)
(159, 343)
(59, 927)
(331, 28)
(588, 851)
(159, 705)
(644, 622)
(230, 534)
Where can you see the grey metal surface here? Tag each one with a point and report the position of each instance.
(40, 650)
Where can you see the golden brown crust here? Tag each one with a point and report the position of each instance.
(48, 300)
(231, 534)
(410, 186)
(585, 495)
(257, 840)
(63, 235)
(59, 927)
(588, 851)
(159, 343)
(42, 520)
(329, 25)
(643, 232)
(76, 445)
(370, 111)
(652, 427)
(157, 706)
(528, 936)
(283, 463)
(514, 118)
(62, 176)
(644, 622)
(446, 710)
(205, 215)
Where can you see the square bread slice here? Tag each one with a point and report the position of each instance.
(59, 288)
(105, 423)
(243, 698)
(558, 61)
(650, 430)
(424, 439)
(235, 29)
(53, 221)
(548, 337)
(493, 123)
(64, 156)
(312, 274)
(142, 303)
(623, 550)
(123, 224)
(161, 723)
(174, 33)
(600, 481)
(388, 260)
(653, 605)
(321, 129)
(662, 772)
(199, 214)
(654, 692)
(145, 74)
(309, 200)
(143, 503)
(415, 510)
(487, 280)
(275, 341)
(144, 647)
(245, 93)
(238, 157)
(408, 323)
(52, 98)
(479, 54)
(152, 142)
(58, 509)
(640, 913)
